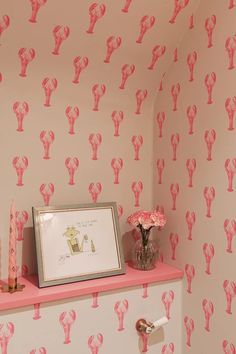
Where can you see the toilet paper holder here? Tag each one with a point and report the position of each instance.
(144, 326)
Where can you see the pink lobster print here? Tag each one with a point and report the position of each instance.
(174, 240)
(60, 33)
(174, 190)
(117, 118)
(191, 22)
(126, 6)
(160, 208)
(94, 190)
(191, 114)
(20, 109)
(98, 91)
(120, 210)
(26, 56)
(179, 5)
(189, 327)
(160, 169)
(95, 141)
(66, 320)
(112, 43)
(146, 23)
(47, 191)
(230, 231)
(209, 195)
(167, 299)
(191, 167)
(42, 350)
(47, 138)
(230, 46)
(24, 271)
(96, 12)
(230, 293)
(120, 308)
(94, 343)
(72, 114)
(140, 97)
(49, 85)
(161, 257)
(210, 80)
(209, 252)
(231, 4)
(6, 333)
(116, 164)
(4, 24)
(230, 168)
(126, 71)
(37, 315)
(228, 348)
(190, 274)
(175, 91)
(160, 118)
(137, 142)
(210, 138)
(157, 52)
(161, 83)
(135, 235)
(175, 58)
(145, 291)
(230, 106)
(168, 349)
(80, 63)
(95, 300)
(36, 5)
(174, 142)
(72, 164)
(191, 61)
(190, 220)
(209, 26)
(21, 219)
(137, 188)
(208, 309)
(144, 338)
(20, 164)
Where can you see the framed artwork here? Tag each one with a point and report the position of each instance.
(77, 242)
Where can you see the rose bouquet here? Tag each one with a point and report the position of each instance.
(144, 255)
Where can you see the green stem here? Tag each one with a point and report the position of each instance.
(145, 234)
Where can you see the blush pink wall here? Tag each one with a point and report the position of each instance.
(69, 75)
(195, 160)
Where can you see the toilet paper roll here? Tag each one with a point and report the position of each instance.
(160, 322)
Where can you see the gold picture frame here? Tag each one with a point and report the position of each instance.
(77, 242)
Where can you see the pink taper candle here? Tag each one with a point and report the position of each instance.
(12, 244)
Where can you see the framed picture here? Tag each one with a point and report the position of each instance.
(77, 242)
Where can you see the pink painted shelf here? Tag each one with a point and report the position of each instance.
(31, 294)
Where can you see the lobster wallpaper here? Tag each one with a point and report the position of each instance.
(77, 86)
(133, 102)
(194, 176)
(100, 323)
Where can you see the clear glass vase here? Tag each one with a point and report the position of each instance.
(144, 256)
